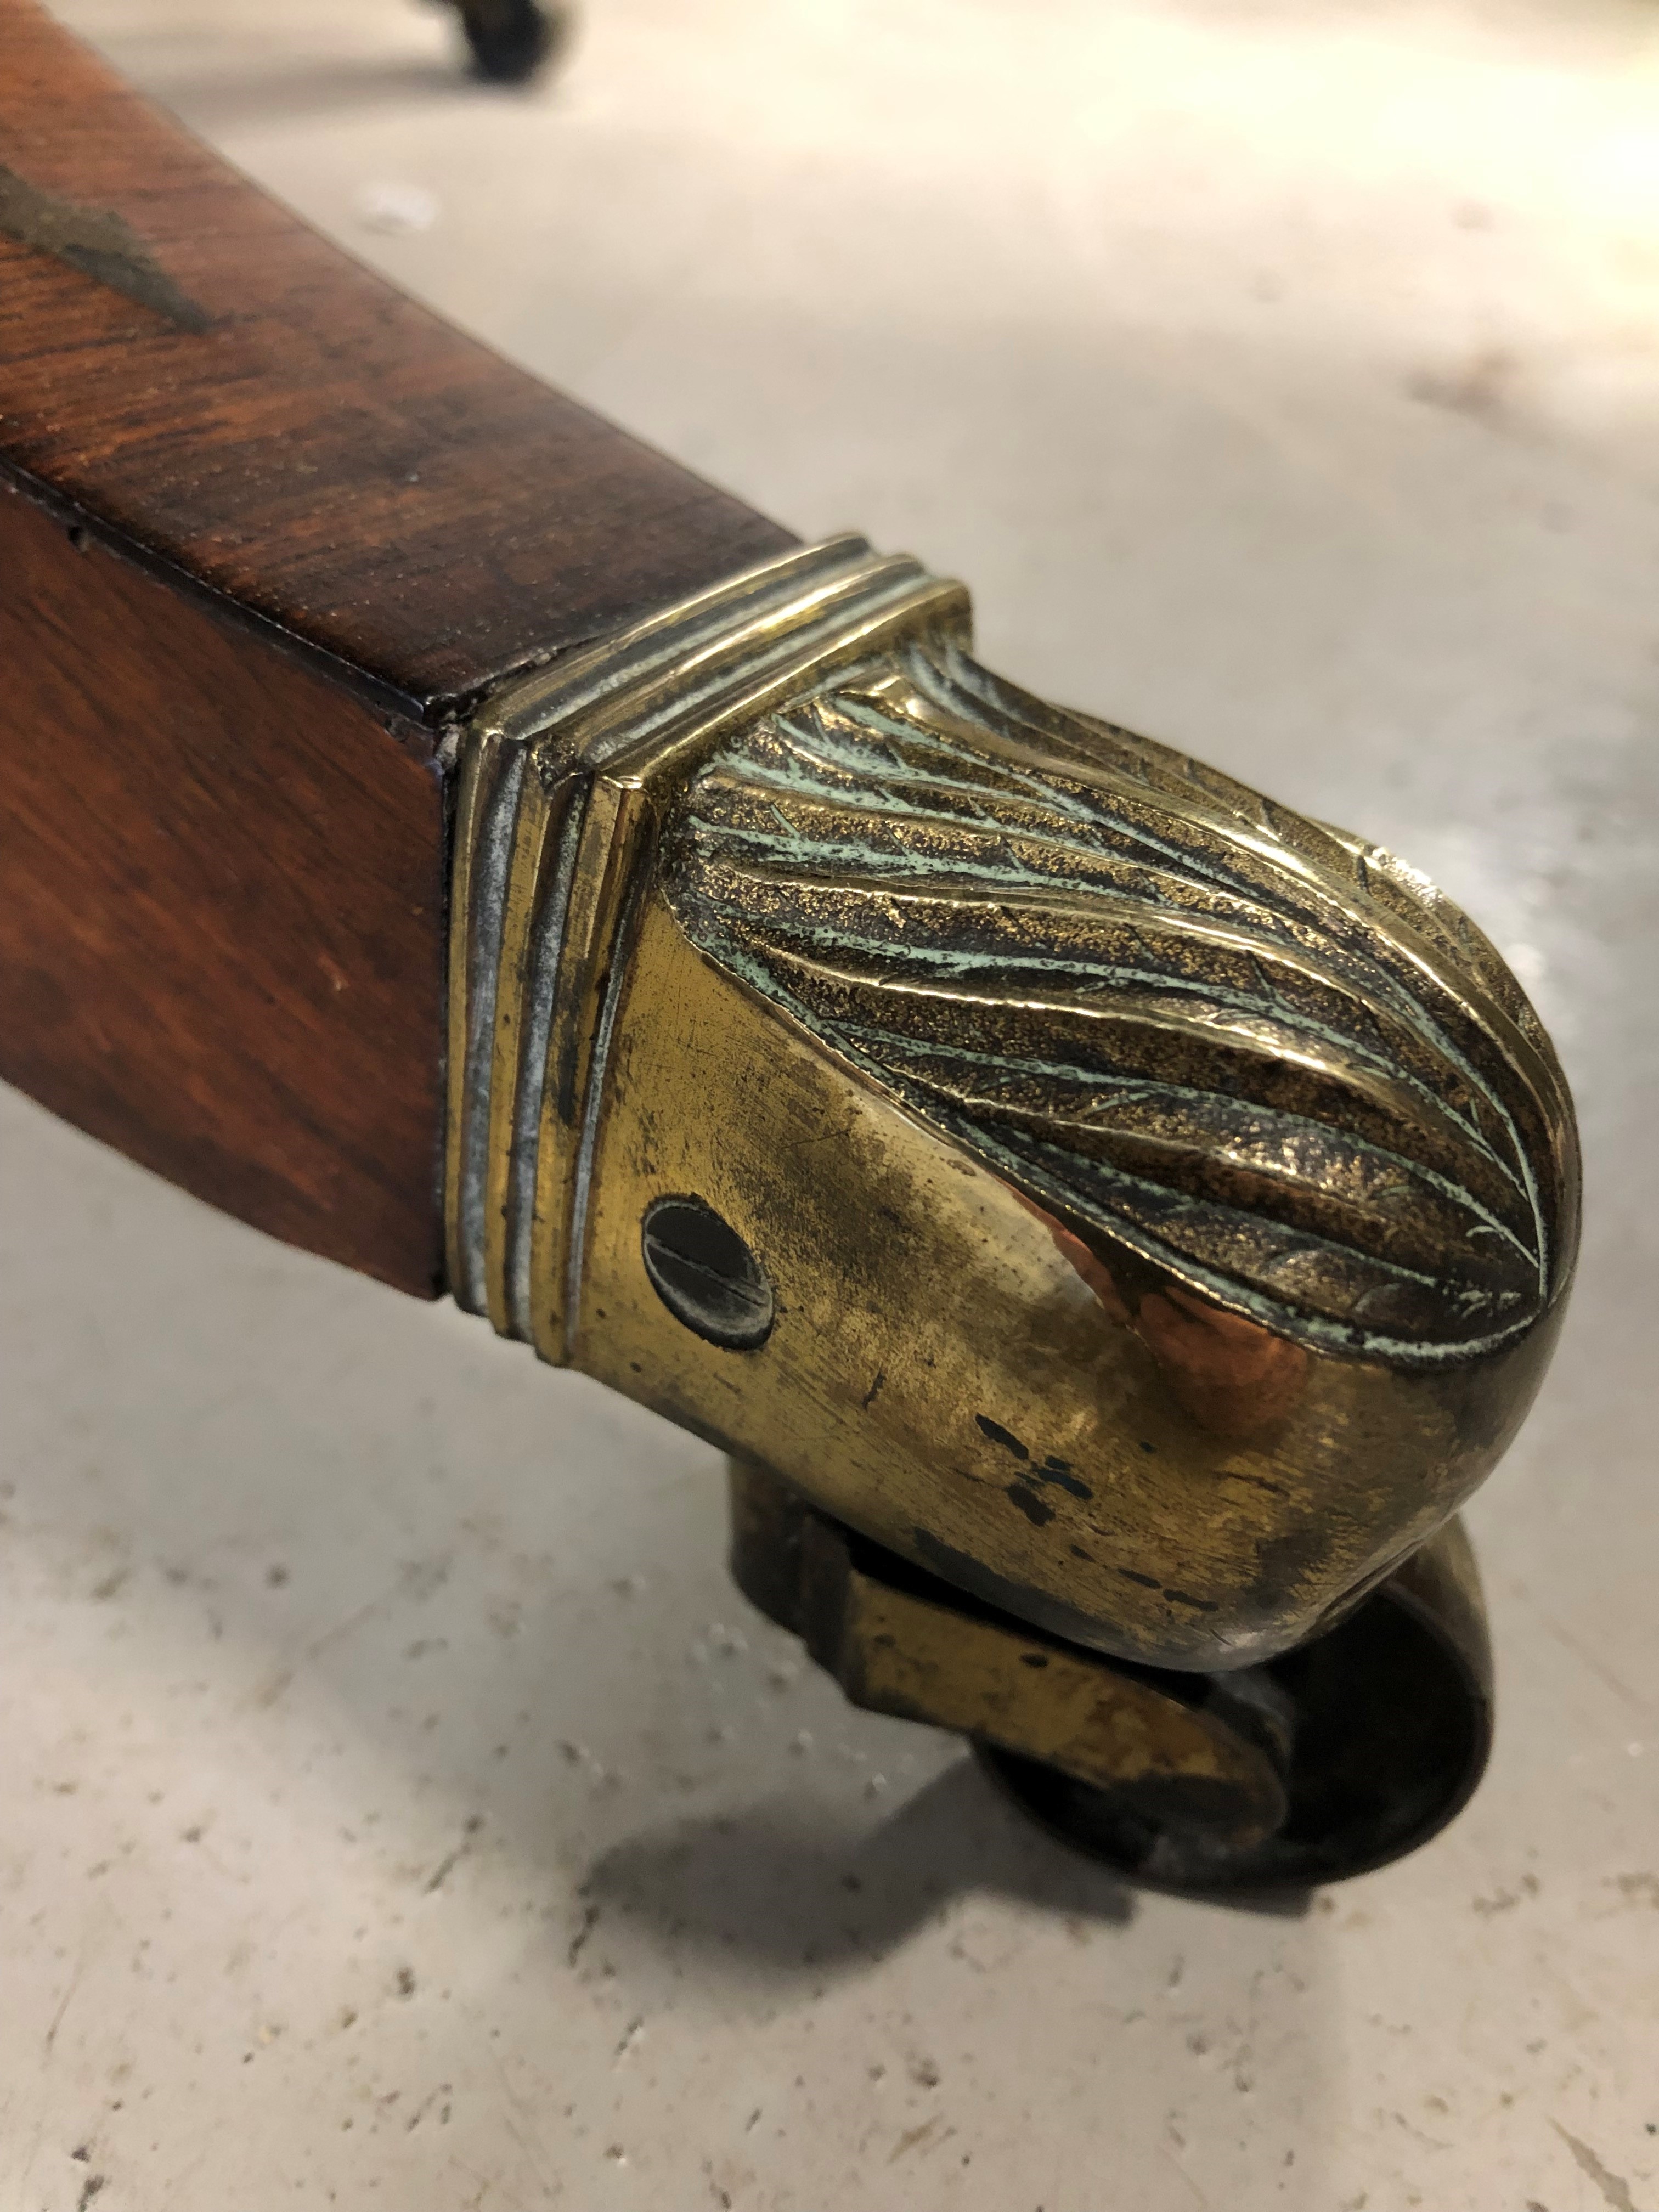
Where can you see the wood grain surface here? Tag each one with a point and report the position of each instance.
(274, 526)
(222, 925)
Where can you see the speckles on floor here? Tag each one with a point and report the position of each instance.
(397, 1803)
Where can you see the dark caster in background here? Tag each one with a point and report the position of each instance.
(510, 40)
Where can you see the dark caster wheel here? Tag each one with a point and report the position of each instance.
(1336, 1757)
(510, 39)
(1389, 1726)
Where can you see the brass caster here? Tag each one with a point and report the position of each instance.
(1327, 1762)
(1125, 1218)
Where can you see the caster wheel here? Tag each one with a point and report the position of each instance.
(510, 39)
(1389, 1722)
(1333, 1758)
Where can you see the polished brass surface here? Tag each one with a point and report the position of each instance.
(1162, 1204)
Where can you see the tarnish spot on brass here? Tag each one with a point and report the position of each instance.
(1030, 1504)
(99, 243)
(997, 1435)
(1256, 1482)
(1198, 1604)
(1057, 1471)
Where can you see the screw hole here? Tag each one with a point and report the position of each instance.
(705, 1274)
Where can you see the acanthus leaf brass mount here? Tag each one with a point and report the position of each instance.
(1113, 1221)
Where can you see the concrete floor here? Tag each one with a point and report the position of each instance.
(398, 1806)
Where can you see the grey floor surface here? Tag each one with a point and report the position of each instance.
(396, 1805)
